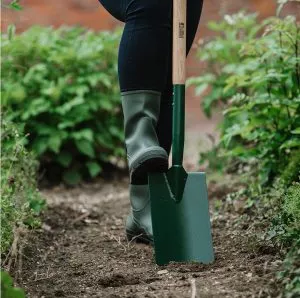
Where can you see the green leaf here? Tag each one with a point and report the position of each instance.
(94, 168)
(85, 147)
(64, 158)
(296, 131)
(40, 145)
(84, 134)
(52, 91)
(37, 205)
(15, 293)
(106, 104)
(66, 123)
(44, 129)
(105, 140)
(116, 131)
(68, 106)
(18, 94)
(37, 106)
(54, 143)
(15, 5)
(292, 143)
(7, 288)
(200, 89)
(6, 279)
(72, 177)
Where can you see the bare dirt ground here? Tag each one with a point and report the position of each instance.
(81, 251)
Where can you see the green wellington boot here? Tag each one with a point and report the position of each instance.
(139, 224)
(141, 111)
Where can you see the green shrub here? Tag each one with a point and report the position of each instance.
(253, 72)
(292, 171)
(291, 203)
(20, 200)
(63, 85)
(258, 77)
(290, 275)
(222, 57)
(283, 207)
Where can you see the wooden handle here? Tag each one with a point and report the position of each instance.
(179, 41)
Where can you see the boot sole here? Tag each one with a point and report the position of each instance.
(139, 175)
(140, 238)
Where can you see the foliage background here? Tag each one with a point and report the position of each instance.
(62, 85)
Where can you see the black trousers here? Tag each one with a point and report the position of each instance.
(145, 53)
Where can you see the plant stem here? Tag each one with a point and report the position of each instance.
(296, 52)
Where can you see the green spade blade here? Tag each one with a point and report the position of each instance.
(181, 228)
(179, 204)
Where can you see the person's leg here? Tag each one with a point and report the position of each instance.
(115, 8)
(145, 54)
(142, 69)
(145, 45)
(164, 127)
(142, 72)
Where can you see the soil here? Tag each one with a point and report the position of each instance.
(81, 251)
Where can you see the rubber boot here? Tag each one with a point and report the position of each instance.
(141, 111)
(139, 224)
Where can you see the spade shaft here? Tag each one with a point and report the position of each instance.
(177, 175)
(179, 77)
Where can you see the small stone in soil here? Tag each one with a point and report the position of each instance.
(162, 272)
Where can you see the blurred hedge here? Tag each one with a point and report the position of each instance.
(63, 85)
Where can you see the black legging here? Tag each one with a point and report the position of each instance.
(145, 53)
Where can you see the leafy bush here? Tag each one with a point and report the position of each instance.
(254, 74)
(284, 215)
(290, 275)
(20, 200)
(291, 204)
(291, 172)
(62, 84)
(222, 57)
(258, 77)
